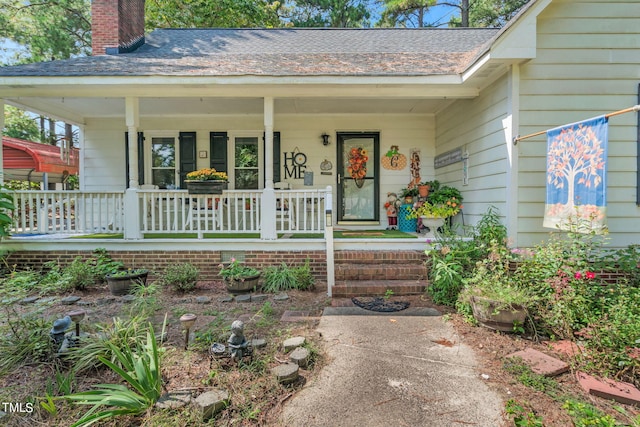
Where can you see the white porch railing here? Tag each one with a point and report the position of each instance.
(168, 212)
(68, 212)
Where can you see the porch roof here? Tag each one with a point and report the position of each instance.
(283, 52)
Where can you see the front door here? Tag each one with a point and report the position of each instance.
(358, 186)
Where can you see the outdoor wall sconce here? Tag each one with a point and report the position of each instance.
(325, 139)
(76, 316)
(187, 321)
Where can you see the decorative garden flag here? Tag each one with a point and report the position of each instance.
(576, 176)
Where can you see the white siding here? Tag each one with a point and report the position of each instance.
(104, 142)
(587, 64)
(478, 126)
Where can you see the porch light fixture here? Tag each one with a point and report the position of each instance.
(187, 321)
(325, 139)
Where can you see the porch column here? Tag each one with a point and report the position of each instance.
(268, 217)
(268, 142)
(132, 115)
(131, 202)
(1, 127)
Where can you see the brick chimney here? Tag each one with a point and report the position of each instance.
(117, 26)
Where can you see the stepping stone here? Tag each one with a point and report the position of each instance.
(259, 298)
(226, 299)
(541, 363)
(292, 343)
(128, 298)
(620, 392)
(300, 356)
(203, 300)
(174, 400)
(70, 300)
(565, 347)
(258, 343)
(287, 373)
(211, 402)
(105, 300)
(29, 300)
(243, 298)
(281, 297)
(295, 316)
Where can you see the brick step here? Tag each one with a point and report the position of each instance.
(348, 289)
(382, 271)
(379, 257)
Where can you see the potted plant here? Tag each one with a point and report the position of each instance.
(408, 194)
(497, 298)
(426, 186)
(439, 195)
(206, 181)
(239, 277)
(120, 281)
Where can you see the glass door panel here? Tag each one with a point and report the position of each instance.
(357, 178)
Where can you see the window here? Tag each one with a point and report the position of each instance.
(246, 161)
(163, 162)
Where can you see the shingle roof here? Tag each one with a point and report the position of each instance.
(282, 52)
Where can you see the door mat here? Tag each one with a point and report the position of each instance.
(379, 304)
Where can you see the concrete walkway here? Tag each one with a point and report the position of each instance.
(393, 370)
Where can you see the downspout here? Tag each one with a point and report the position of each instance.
(511, 125)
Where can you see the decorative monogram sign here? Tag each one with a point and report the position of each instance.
(295, 164)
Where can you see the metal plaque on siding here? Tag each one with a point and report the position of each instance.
(448, 158)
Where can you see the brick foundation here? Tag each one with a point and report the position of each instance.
(157, 261)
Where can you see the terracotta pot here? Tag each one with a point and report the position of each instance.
(121, 285)
(487, 315)
(423, 190)
(246, 284)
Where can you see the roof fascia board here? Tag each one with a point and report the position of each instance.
(254, 91)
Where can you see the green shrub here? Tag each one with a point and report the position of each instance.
(80, 274)
(104, 264)
(24, 339)
(282, 277)
(6, 209)
(181, 277)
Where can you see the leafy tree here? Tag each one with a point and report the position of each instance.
(48, 30)
(330, 13)
(406, 13)
(208, 14)
(18, 124)
(484, 13)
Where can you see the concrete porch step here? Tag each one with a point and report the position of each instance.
(348, 289)
(381, 271)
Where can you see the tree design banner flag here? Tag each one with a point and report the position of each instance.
(576, 176)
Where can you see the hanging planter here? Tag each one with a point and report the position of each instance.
(206, 187)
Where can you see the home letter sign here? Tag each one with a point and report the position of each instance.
(294, 165)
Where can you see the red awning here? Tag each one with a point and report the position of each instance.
(27, 160)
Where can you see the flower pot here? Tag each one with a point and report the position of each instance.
(245, 284)
(431, 224)
(488, 315)
(423, 190)
(206, 187)
(121, 284)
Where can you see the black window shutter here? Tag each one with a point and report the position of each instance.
(187, 155)
(140, 158)
(218, 150)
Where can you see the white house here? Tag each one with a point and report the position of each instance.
(451, 100)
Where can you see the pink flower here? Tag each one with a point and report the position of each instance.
(578, 275)
(591, 275)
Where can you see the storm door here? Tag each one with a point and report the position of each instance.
(358, 170)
